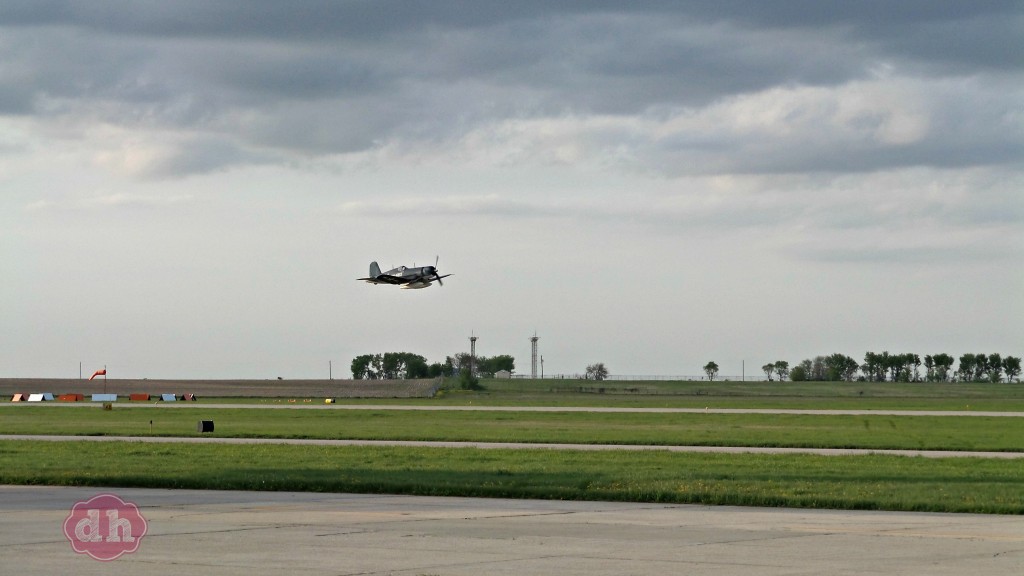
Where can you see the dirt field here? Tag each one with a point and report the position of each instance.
(225, 388)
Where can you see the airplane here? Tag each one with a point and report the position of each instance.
(407, 278)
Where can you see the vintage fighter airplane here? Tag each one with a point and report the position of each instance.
(407, 278)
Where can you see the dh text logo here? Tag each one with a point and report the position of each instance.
(105, 527)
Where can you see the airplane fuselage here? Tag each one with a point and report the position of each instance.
(406, 277)
(406, 272)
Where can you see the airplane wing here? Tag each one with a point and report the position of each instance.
(386, 279)
(428, 278)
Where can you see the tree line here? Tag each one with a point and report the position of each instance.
(406, 365)
(876, 367)
(886, 367)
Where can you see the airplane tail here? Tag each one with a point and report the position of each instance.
(374, 270)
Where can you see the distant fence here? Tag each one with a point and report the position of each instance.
(649, 378)
(422, 388)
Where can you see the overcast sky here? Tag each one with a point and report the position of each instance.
(190, 189)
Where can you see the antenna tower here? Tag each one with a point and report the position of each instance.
(533, 355)
(472, 354)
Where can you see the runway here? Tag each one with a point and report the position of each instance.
(253, 533)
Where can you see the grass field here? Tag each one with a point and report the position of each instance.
(793, 395)
(861, 482)
(782, 430)
(690, 394)
(697, 394)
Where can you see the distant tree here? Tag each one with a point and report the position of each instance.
(782, 369)
(868, 367)
(445, 368)
(833, 367)
(968, 368)
(459, 362)
(994, 368)
(892, 365)
(913, 363)
(467, 380)
(965, 368)
(818, 371)
(481, 365)
(840, 367)
(1011, 365)
(980, 367)
(798, 373)
(376, 370)
(711, 369)
(597, 371)
(503, 362)
(416, 366)
(769, 369)
(873, 367)
(806, 364)
(943, 367)
(389, 366)
(929, 368)
(850, 369)
(361, 367)
(900, 366)
(490, 366)
(393, 366)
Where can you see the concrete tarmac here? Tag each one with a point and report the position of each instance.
(252, 533)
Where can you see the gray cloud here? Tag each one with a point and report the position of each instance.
(904, 255)
(321, 78)
(760, 160)
(198, 156)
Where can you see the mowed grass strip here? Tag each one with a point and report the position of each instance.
(1005, 397)
(806, 481)
(763, 430)
(976, 396)
(722, 394)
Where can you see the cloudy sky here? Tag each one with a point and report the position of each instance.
(191, 188)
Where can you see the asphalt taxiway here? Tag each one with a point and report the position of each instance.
(253, 533)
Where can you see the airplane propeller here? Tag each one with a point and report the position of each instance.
(436, 273)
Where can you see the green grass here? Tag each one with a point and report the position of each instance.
(858, 482)
(794, 395)
(700, 394)
(850, 482)
(783, 430)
